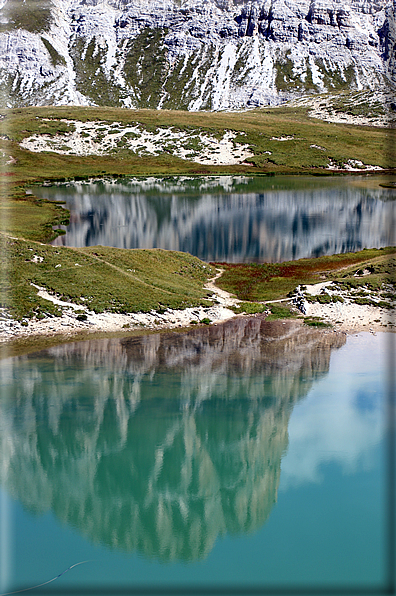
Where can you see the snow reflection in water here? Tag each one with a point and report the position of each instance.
(234, 219)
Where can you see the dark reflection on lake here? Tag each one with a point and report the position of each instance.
(224, 218)
(162, 443)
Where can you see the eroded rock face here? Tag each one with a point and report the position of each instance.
(162, 443)
(194, 54)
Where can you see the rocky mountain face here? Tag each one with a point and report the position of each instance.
(158, 444)
(191, 54)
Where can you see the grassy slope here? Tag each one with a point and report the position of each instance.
(265, 282)
(100, 278)
(34, 16)
(103, 278)
(273, 281)
(341, 142)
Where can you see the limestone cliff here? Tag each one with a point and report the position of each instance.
(193, 54)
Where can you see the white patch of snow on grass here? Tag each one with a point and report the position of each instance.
(353, 165)
(101, 138)
(288, 138)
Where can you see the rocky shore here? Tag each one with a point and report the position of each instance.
(326, 301)
(346, 310)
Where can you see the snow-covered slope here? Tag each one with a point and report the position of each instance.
(194, 54)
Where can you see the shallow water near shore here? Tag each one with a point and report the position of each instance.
(230, 218)
(249, 454)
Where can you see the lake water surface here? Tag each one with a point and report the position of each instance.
(233, 219)
(252, 454)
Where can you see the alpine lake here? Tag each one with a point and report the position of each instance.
(251, 457)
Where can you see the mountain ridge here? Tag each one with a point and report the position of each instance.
(191, 54)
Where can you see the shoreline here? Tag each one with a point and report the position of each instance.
(337, 307)
(68, 325)
(343, 317)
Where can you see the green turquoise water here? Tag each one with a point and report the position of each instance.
(250, 455)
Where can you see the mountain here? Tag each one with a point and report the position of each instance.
(191, 54)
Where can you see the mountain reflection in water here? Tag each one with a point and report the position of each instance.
(234, 219)
(158, 444)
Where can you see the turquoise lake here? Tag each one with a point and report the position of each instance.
(251, 455)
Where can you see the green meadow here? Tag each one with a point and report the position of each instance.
(100, 278)
(314, 144)
(272, 281)
(256, 283)
(130, 280)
